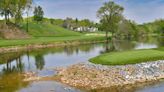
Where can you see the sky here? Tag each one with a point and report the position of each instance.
(141, 11)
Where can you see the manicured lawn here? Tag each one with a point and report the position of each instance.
(161, 48)
(45, 33)
(47, 40)
(128, 57)
(48, 30)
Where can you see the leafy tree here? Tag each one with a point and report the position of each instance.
(13, 8)
(38, 14)
(127, 29)
(85, 23)
(68, 23)
(110, 15)
(76, 21)
(6, 9)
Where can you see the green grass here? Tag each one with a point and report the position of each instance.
(48, 30)
(47, 40)
(46, 33)
(161, 48)
(128, 57)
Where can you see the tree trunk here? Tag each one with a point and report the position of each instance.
(8, 20)
(107, 42)
(5, 17)
(27, 23)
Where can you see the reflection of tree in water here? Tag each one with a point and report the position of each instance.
(39, 61)
(109, 46)
(13, 63)
(17, 67)
(75, 49)
(11, 79)
(118, 45)
(86, 48)
(161, 41)
(124, 45)
(69, 50)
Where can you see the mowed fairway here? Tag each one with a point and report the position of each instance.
(128, 57)
(48, 30)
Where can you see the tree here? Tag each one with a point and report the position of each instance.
(13, 8)
(38, 14)
(28, 8)
(127, 29)
(76, 21)
(68, 23)
(110, 15)
(6, 9)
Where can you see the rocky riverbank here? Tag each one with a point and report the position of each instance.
(94, 76)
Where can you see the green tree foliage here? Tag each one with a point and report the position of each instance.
(156, 27)
(38, 14)
(6, 9)
(127, 29)
(13, 8)
(110, 15)
(75, 23)
(68, 23)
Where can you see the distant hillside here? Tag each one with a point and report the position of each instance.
(47, 29)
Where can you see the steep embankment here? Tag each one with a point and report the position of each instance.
(12, 32)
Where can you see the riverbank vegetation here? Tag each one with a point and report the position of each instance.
(128, 57)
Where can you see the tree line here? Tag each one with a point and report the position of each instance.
(110, 14)
(72, 24)
(112, 21)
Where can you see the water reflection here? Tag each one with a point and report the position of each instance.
(43, 58)
(18, 67)
(39, 62)
(139, 43)
(12, 64)
(12, 82)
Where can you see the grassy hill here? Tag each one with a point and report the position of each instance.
(48, 30)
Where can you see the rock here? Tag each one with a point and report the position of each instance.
(100, 76)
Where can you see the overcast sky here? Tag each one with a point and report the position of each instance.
(138, 10)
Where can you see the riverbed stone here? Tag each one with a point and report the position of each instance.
(100, 76)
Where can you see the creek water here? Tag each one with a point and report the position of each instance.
(43, 61)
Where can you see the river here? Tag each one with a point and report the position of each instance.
(43, 61)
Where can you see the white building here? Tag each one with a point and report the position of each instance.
(86, 29)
